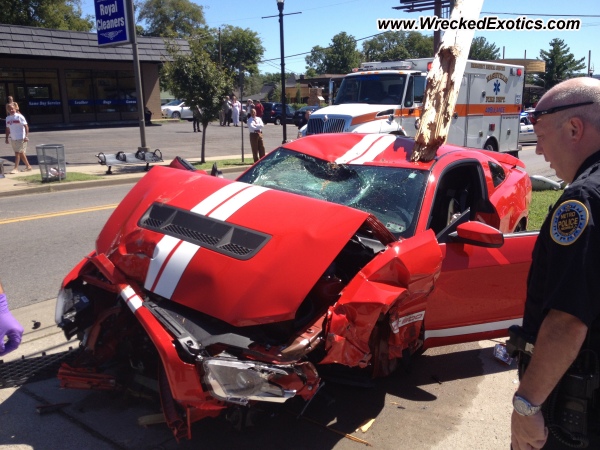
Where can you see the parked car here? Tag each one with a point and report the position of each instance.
(176, 109)
(268, 106)
(299, 114)
(526, 133)
(333, 251)
(276, 115)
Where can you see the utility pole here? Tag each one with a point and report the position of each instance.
(443, 83)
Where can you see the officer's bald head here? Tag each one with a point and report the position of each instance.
(575, 90)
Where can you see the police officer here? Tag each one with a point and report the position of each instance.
(563, 295)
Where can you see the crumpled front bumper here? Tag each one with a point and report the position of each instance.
(190, 379)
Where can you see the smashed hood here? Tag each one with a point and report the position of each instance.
(243, 254)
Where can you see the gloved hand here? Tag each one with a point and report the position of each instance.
(9, 327)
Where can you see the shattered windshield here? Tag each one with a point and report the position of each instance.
(374, 89)
(391, 194)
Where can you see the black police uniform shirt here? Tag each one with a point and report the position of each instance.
(565, 271)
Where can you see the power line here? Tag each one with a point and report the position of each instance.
(323, 48)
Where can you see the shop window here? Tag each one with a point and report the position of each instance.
(80, 92)
(127, 90)
(42, 93)
(107, 92)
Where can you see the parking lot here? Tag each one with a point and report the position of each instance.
(173, 138)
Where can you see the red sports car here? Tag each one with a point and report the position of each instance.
(333, 250)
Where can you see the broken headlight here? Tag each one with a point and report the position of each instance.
(69, 306)
(241, 381)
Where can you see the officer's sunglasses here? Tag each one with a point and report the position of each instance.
(535, 115)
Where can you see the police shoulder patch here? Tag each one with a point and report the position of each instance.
(568, 222)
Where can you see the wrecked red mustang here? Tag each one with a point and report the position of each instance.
(333, 250)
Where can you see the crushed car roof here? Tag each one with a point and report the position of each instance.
(377, 149)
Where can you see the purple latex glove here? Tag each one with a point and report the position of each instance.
(9, 327)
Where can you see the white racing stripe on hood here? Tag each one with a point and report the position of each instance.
(361, 147)
(174, 269)
(218, 197)
(224, 211)
(367, 149)
(378, 147)
(172, 256)
(162, 253)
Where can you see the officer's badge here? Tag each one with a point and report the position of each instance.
(568, 222)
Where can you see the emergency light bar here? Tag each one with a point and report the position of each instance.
(389, 65)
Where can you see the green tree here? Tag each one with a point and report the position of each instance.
(340, 57)
(560, 64)
(419, 46)
(56, 14)
(311, 73)
(482, 50)
(198, 81)
(237, 50)
(397, 45)
(172, 18)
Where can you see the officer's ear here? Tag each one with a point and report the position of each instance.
(575, 128)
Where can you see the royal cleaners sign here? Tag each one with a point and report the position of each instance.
(111, 22)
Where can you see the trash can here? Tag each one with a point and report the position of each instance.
(51, 159)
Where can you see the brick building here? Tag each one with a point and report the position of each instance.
(62, 78)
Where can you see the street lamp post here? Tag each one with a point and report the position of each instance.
(283, 102)
(283, 99)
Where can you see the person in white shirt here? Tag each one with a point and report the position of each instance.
(255, 125)
(18, 131)
(237, 107)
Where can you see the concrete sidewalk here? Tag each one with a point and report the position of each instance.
(40, 415)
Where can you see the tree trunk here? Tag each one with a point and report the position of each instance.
(443, 83)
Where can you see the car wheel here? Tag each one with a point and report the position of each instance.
(277, 121)
(491, 146)
(176, 115)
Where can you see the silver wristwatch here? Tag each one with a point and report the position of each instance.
(523, 407)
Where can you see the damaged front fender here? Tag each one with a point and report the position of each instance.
(393, 285)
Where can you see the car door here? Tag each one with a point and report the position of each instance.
(481, 290)
(186, 112)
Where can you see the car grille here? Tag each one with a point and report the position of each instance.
(318, 126)
(222, 237)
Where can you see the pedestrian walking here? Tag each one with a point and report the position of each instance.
(17, 131)
(9, 101)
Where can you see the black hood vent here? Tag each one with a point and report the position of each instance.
(222, 237)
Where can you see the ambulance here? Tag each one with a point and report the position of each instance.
(387, 97)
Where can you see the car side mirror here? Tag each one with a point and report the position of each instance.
(478, 233)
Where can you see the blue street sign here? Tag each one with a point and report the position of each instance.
(112, 25)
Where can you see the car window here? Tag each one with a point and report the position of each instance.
(173, 103)
(391, 194)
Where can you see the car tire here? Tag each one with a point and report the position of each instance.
(176, 115)
(277, 121)
(491, 146)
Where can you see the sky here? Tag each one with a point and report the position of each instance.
(320, 20)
